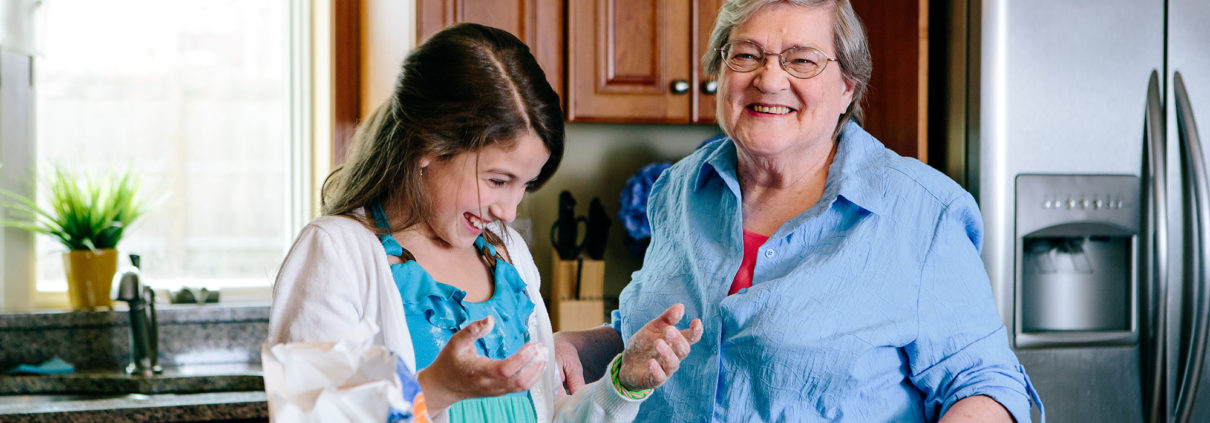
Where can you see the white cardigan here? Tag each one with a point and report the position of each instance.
(337, 274)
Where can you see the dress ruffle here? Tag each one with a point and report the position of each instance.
(443, 309)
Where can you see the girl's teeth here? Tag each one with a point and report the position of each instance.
(476, 222)
(776, 110)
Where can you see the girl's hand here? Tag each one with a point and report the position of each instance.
(459, 372)
(655, 351)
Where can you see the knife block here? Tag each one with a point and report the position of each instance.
(573, 309)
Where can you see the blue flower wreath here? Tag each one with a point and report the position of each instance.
(632, 209)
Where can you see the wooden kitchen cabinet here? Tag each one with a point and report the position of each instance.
(897, 104)
(538, 23)
(625, 56)
(639, 60)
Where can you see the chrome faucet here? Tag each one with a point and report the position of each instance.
(144, 331)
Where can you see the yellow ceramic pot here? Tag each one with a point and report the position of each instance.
(89, 277)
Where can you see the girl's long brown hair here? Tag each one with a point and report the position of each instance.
(467, 87)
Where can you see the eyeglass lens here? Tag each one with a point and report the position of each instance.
(801, 62)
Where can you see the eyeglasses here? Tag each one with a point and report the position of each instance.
(799, 62)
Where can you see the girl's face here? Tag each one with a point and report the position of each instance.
(474, 189)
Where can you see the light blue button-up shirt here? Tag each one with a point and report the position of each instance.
(871, 306)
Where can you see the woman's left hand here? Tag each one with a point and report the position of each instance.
(655, 352)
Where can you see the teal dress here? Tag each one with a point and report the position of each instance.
(434, 311)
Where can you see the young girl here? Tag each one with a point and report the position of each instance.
(413, 237)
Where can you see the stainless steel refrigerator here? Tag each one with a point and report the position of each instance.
(1080, 140)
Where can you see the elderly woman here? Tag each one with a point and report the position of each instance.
(835, 279)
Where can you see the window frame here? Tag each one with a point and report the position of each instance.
(309, 92)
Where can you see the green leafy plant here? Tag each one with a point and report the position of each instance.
(82, 213)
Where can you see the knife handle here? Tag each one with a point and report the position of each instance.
(565, 244)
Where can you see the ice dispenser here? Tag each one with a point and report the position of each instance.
(1076, 249)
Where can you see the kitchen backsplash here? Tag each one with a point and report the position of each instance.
(208, 334)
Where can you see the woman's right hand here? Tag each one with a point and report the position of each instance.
(656, 350)
(459, 372)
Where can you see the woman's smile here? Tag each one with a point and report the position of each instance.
(759, 109)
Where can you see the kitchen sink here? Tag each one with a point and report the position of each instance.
(93, 383)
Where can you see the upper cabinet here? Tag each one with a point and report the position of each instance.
(639, 61)
(538, 23)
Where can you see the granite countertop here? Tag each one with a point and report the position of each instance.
(136, 407)
(210, 354)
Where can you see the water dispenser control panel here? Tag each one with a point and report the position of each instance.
(1076, 249)
(1046, 200)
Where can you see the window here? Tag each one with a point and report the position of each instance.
(207, 100)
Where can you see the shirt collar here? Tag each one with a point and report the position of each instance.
(720, 160)
(857, 173)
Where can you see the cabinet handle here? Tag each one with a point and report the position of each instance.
(680, 86)
(710, 87)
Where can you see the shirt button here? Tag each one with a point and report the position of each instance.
(769, 253)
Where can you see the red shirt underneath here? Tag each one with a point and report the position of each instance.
(743, 278)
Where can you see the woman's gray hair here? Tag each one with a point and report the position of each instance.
(849, 39)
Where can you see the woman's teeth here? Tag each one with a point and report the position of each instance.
(774, 110)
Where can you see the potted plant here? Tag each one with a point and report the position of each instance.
(89, 217)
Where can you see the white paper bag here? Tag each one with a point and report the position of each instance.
(346, 381)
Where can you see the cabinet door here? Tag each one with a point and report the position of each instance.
(624, 59)
(896, 104)
(704, 13)
(538, 23)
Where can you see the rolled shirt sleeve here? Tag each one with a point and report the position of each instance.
(962, 347)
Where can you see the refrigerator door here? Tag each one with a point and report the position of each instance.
(1188, 40)
(1063, 90)
(1196, 315)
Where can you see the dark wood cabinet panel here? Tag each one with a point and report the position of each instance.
(896, 105)
(346, 76)
(625, 58)
(538, 23)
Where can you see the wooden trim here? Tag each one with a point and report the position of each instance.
(922, 82)
(704, 12)
(346, 75)
(549, 44)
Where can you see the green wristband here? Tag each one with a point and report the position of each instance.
(615, 369)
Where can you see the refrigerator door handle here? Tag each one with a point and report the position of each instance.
(1187, 131)
(1155, 274)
